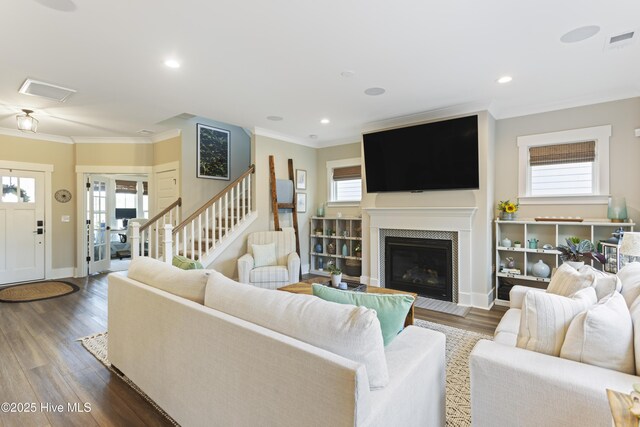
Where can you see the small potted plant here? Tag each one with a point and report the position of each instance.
(336, 275)
(507, 209)
(517, 244)
(576, 250)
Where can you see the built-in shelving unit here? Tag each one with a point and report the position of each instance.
(546, 232)
(331, 234)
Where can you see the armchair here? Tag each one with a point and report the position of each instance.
(287, 266)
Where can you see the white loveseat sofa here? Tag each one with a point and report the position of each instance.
(205, 367)
(512, 386)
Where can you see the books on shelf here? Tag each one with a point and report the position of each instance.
(511, 271)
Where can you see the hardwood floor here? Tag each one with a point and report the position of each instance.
(41, 362)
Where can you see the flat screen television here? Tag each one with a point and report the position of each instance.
(125, 213)
(432, 156)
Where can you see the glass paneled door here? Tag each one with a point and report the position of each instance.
(22, 226)
(98, 220)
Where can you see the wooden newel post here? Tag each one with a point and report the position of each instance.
(168, 240)
(135, 240)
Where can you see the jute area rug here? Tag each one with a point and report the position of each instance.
(37, 291)
(458, 347)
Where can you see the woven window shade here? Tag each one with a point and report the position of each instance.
(145, 188)
(347, 172)
(575, 152)
(126, 186)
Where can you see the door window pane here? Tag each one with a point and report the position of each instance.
(10, 189)
(27, 190)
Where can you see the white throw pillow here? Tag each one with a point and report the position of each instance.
(346, 330)
(545, 319)
(630, 277)
(189, 284)
(635, 318)
(604, 282)
(567, 281)
(602, 336)
(264, 255)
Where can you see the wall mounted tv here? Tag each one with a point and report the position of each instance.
(432, 156)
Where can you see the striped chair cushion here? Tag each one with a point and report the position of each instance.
(285, 243)
(274, 273)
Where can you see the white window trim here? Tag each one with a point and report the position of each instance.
(331, 165)
(600, 134)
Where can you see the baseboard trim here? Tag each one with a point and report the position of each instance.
(61, 273)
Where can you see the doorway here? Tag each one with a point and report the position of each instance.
(22, 226)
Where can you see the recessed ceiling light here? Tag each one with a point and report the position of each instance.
(145, 132)
(580, 34)
(504, 79)
(374, 91)
(348, 73)
(312, 136)
(325, 121)
(172, 63)
(275, 118)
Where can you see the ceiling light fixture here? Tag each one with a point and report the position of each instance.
(26, 123)
(374, 91)
(504, 79)
(580, 34)
(172, 63)
(325, 121)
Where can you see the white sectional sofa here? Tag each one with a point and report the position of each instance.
(512, 386)
(205, 367)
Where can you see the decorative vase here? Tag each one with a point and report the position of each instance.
(331, 248)
(574, 264)
(540, 269)
(318, 248)
(320, 211)
(617, 209)
(336, 279)
(345, 249)
(507, 216)
(320, 264)
(506, 242)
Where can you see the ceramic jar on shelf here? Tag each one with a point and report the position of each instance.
(540, 269)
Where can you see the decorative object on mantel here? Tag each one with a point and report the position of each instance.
(630, 246)
(617, 210)
(559, 218)
(575, 251)
(507, 209)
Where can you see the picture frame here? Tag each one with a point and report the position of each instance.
(213, 152)
(301, 202)
(301, 179)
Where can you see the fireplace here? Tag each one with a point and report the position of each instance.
(423, 266)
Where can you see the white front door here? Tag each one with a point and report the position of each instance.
(22, 226)
(98, 220)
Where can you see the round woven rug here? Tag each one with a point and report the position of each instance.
(37, 291)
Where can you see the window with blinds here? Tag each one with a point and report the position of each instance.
(562, 169)
(346, 183)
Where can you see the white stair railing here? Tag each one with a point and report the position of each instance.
(148, 238)
(202, 232)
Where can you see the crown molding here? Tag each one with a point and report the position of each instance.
(168, 134)
(112, 140)
(342, 141)
(37, 136)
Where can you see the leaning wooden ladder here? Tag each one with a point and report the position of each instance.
(289, 205)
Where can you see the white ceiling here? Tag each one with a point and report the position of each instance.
(245, 60)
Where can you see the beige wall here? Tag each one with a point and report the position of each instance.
(114, 154)
(62, 157)
(623, 116)
(167, 151)
(323, 155)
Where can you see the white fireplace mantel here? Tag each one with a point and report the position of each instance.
(458, 219)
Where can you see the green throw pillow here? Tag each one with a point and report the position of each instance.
(392, 309)
(185, 263)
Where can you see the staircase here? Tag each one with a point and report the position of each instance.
(204, 234)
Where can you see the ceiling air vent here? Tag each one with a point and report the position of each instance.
(620, 40)
(145, 132)
(46, 90)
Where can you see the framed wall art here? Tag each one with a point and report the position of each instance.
(301, 205)
(213, 152)
(301, 179)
